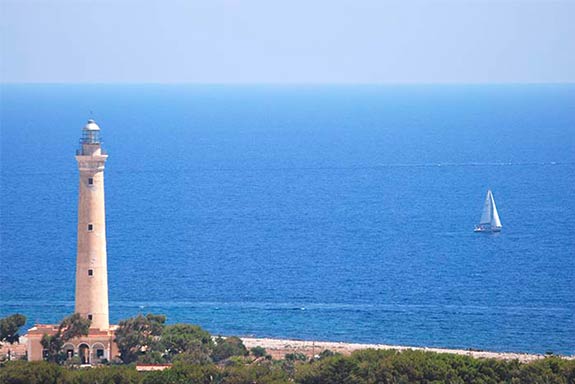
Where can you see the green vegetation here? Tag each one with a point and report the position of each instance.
(259, 352)
(362, 367)
(295, 357)
(147, 339)
(9, 327)
(228, 347)
(139, 336)
(187, 343)
(197, 357)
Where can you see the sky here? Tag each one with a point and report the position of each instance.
(293, 42)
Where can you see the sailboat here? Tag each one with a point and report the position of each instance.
(489, 217)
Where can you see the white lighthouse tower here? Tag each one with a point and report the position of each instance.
(91, 261)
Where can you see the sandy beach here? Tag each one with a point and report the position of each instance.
(278, 348)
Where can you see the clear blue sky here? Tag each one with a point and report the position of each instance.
(295, 41)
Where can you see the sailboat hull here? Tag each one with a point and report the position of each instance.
(486, 228)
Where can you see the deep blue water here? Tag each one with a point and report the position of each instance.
(331, 213)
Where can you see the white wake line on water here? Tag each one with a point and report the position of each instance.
(296, 168)
(284, 305)
(474, 164)
(288, 305)
(355, 167)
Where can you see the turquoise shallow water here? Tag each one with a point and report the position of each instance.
(331, 213)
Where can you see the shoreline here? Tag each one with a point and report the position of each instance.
(278, 348)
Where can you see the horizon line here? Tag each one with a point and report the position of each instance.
(2, 83)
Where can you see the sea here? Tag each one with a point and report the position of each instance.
(313, 212)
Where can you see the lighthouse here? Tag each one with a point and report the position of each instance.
(91, 259)
(91, 300)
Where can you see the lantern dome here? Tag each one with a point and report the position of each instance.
(91, 126)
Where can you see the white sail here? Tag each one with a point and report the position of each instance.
(486, 214)
(490, 221)
(495, 222)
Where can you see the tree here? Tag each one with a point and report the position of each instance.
(339, 371)
(138, 335)
(258, 351)
(30, 372)
(187, 339)
(228, 347)
(71, 327)
(9, 327)
(296, 356)
(326, 353)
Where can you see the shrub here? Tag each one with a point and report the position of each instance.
(228, 347)
(258, 351)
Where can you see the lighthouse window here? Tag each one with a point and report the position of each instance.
(90, 227)
(90, 317)
(90, 272)
(90, 181)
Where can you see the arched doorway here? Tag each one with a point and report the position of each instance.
(68, 350)
(98, 353)
(84, 353)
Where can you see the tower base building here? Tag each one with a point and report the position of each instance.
(95, 348)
